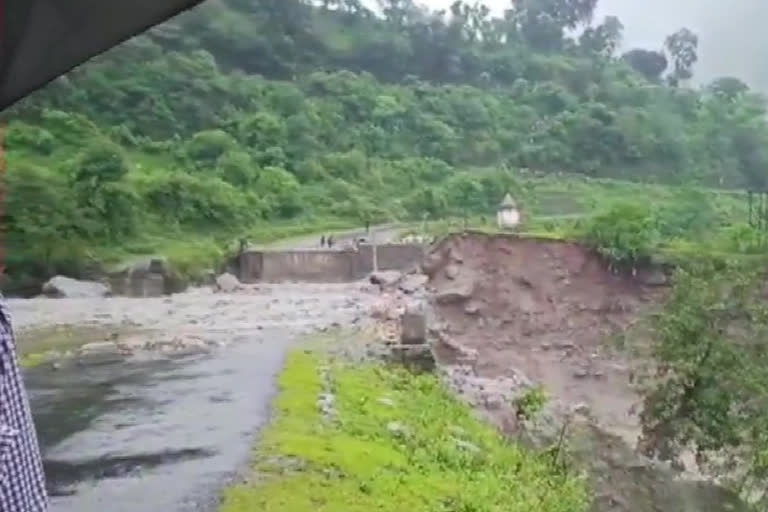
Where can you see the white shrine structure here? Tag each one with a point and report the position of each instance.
(508, 215)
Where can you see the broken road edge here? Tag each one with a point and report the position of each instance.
(368, 435)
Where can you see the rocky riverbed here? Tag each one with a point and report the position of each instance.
(199, 320)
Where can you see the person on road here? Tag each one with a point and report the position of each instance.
(22, 482)
(322, 241)
(330, 241)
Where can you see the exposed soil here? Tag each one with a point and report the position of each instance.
(511, 311)
(544, 309)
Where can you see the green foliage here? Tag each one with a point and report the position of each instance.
(709, 384)
(236, 168)
(198, 201)
(687, 214)
(246, 111)
(42, 217)
(205, 148)
(625, 233)
(530, 403)
(22, 136)
(99, 163)
(398, 442)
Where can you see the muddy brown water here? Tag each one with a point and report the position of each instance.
(160, 432)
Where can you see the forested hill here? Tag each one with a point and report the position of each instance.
(261, 110)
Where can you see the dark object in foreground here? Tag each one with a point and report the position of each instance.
(43, 39)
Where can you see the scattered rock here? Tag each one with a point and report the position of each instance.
(581, 373)
(66, 287)
(455, 294)
(418, 356)
(396, 428)
(227, 283)
(386, 279)
(456, 256)
(582, 409)
(413, 282)
(100, 347)
(452, 272)
(431, 264)
(386, 401)
(456, 352)
(653, 277)
(472, 308)
(325, 403)
(102, 353)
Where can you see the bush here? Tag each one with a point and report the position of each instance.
(625, 233)
(198, 201)
(22, 136)
(688, 213)
(69, 128)
(102, 161)
(236, 167)
(205, 148)
(741, 238)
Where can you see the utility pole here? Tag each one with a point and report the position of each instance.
(374, 251)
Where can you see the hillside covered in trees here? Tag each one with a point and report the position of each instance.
(246, 112)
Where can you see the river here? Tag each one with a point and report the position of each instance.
(162, 432)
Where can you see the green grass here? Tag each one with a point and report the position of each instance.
(399, 442)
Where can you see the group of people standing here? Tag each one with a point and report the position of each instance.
(327, 241)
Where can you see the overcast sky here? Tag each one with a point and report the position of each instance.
(733, 33)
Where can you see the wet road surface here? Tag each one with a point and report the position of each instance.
(153, 437)
(160, 433)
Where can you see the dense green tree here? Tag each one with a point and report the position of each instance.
(728, 88)
(683, 47)
(648, 63)
(709, 386)
(251, 110)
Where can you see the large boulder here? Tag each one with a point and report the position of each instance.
(432, 264)
(456, 294)
(227, 283)
(143, 267)
(386, 279)
(103, 353)
(66, 287)
(413, 283)
(146, 277)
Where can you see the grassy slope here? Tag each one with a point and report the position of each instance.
(398, 442)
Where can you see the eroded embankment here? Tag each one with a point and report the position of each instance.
(543, 309)
(511, 311)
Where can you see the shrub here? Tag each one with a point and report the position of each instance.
(206, 147)
(625, 233)
(22, 136)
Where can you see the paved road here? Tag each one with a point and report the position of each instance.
(383, 233)
(160, 436)
(166, 433)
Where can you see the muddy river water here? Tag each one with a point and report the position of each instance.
(164, 432)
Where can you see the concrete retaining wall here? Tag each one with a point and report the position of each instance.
(389, 257)
(307, 266)
(324, 266)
